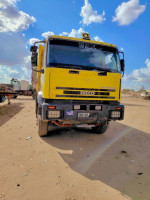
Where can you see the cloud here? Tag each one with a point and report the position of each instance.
(128, 12)
(12, 71)
(27, 59)
(13, 49)
(5, 78)
(90, 16)
(20, 73)
(140, 76)
(147, 62)
(64, 33)
(97, 38)
(46, 34)
(14, 57)
(74, 33)
(6, 3)
(32, 41)
(11, 19)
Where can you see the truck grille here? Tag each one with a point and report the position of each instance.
(86, 93)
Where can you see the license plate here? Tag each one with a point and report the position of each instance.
(83, 115)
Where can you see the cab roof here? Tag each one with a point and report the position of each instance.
(82, 40)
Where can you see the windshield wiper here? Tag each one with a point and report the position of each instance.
(104, 69)
(98, 68)
(60, 65)
(81, 67)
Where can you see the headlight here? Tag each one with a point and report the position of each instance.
(98, 107)
(115, 114)
(53, 114)
(76, 107)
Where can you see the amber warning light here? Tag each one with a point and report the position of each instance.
(118, 108)
(51, 107)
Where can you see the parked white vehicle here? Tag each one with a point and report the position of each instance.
(24, 85)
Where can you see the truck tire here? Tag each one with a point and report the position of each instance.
(42, 127)
(34, 96)
(2, 98)
(36, 108)
(100, 129)
(15, 96)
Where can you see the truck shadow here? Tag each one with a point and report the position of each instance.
(7, 112)
(119, 158)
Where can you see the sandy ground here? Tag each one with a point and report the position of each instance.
(74, 164)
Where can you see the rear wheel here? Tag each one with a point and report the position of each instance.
(100, 129)
(42, 127)
(2, 98)
(15, 96)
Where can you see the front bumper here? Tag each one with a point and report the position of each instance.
(68, 115)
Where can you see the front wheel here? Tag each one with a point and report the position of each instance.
(34, 96)
(42, 127)
(100, 129)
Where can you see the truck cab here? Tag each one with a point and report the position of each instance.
(78, 82)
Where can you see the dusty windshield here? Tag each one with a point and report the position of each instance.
(81, 55)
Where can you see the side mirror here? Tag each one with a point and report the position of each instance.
(122, 65)
(34, 59)
(34, 56)
(33, 48)
(122, 62)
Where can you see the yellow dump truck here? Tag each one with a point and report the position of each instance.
(78, 82)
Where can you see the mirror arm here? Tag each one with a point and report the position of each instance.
(122, 53)
(41, 71)
(43, 41)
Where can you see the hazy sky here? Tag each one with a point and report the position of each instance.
(123, 23)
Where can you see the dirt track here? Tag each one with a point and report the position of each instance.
(74, 164)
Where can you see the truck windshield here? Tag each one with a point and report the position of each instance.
(82, 55)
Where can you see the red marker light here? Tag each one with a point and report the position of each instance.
(118, 108)
(51, 107)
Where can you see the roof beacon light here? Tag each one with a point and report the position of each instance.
(86, 36)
